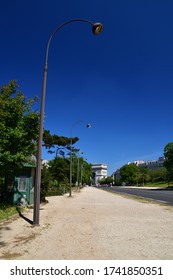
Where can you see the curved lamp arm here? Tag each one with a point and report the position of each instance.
(88, 125)
(96, 29)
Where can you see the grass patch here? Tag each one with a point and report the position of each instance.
(7, 210)
(159, 185)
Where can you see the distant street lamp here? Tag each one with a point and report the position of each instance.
(96, 29)
(87, 126)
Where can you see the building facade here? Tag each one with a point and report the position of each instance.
(137, 162)
(153, 164)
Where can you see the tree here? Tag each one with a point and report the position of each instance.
(168, 163)
(129, 173)
(18, 129)
(56, 143)
(143, 176)
(158, 175)
(59, 169)
(86, 171)
(46, 182)
(108, 180)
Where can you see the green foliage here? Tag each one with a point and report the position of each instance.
(142, 176)
(129, 174)
(7, 210)
(51, 183)
(104, 181)
(55, 177)
(18, 128)
(168, 153)
(86, 170)
(158, 175)
(132, 174)
(59, 169)
(46, 182)
(56, 142)
(58, 189)
(117, 182)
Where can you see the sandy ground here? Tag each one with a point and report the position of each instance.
(91, 225)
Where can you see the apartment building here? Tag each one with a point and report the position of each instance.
(153, 164)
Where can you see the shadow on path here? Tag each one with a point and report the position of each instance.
(23, 217)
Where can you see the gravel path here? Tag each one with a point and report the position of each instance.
(92, 224)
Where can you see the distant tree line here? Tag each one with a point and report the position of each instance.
(134, 175)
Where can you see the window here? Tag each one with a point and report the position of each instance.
(22, 184)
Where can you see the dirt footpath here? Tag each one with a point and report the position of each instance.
(91, 225)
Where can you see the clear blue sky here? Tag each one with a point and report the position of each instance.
(121, 81)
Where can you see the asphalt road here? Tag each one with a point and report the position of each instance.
(161, 195)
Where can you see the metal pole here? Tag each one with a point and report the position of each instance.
(81, 167)
(96, 29)
(70, 166)
(39, 154)
(78, 171)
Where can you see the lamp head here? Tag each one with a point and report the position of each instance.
(97, 28)
(88, 125)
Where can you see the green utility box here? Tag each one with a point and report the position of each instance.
(24, 185)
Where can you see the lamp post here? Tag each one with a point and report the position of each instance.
(79, 172)
(96, 29)
(87, 126)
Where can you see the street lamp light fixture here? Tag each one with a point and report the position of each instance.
(96, 29)
(88, 125)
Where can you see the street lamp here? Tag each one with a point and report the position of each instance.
(88, 125)
(79, 172)
(96, 29)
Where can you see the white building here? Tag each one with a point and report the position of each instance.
(99, 172)
(153, 164)
(136, 162)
